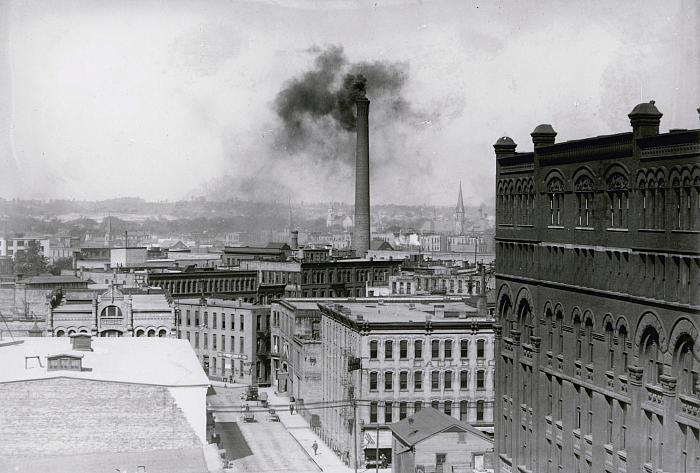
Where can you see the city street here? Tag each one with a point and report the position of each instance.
(263, 445)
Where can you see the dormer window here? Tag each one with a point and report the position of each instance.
(65, 362)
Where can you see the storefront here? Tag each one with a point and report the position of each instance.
(372, 449)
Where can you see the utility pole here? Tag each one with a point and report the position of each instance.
(354, 422)
(376, 451)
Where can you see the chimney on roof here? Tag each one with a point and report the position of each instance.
(361, 230)
(295, 239)
(81, 342)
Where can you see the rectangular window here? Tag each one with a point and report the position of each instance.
(373, 412)
(213, 320)
(463, 380)
(418, 349)
(435, 380)
(435, 404)
(403, 410)
(448, 349)
(448, 380)
(187, 319)
(373, 381)
(196, 340)
(388, 381)
(417, 406)
(373, 350)
(232, 345)
(418, 381)
(223, 321)
(479, 411)
(196, 318)
(388, 407)
(623, 425)
(241, 345)
(403, 381)
(213, 342)
(436, 349)
(206, 340)
(242, 320)
(480, 379)
(448, 408)
(403, 349)
(464, 349)
(388, 350)
(479, 348)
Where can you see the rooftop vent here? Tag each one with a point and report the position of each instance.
(81, 342)
(65, 362)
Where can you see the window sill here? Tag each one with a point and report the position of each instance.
(505, 224)
(523, 225)
(651, 230)
(690, 232)
(560, 227)
(588, 229)
(623, 230)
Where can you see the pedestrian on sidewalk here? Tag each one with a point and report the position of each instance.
(291, 409)
(315, 447)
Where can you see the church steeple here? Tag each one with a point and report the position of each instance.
(459, 213)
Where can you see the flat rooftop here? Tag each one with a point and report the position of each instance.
(382, 310)
(227, 303)
(139, 360)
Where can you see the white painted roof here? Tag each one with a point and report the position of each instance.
(138, 360)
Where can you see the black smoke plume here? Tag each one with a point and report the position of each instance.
(323, 99)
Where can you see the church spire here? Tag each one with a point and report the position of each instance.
(459, 213)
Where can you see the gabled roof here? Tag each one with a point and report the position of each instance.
(428, 422)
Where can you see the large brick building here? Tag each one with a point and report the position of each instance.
(413, 353)
(83, 404)
(345, 277)
(598, 303)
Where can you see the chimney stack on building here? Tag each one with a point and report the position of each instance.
(361, 231)
(504, 146)
(295, 239)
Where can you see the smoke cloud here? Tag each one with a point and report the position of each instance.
(319, 105)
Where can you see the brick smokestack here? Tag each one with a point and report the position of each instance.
(361, 232)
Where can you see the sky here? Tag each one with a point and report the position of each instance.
(168, 100)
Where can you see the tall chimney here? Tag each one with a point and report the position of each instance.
(295, 239)
(361, 235)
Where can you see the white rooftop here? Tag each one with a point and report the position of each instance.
(138, 360)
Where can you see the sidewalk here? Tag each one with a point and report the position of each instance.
(302, 433)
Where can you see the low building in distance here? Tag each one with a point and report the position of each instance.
(430, 440)
(406, 354)
(231, 338)
(84, 404)
(597, 278)
(112, 313)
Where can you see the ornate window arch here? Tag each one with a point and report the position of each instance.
(650, 356)
(618, 198)
(555, 191)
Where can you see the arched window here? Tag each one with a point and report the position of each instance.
(152, 333)
(560, 331)
(550, 329)
(139, 333)
(111, 311)
(60, 333)
(684, 367)
(609, 341)
(577, 336)
(584, 197)
(556, 200)
(588, 331)
(622, 343)
(650, 356)
(162, 333)
(618, 201)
